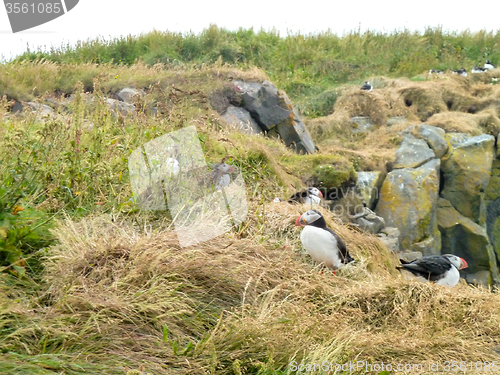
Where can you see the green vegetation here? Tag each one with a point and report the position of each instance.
(307, 67)
(90, 284)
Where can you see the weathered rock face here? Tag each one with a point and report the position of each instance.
(492, 203)
(368, 185)
(265, 104)
(361, 124)
(122, 108)
(274, 113)
(434, 137)
(128, 95)
(241, 119)
(408, 201)
(466, 171)
(412, 153)
(390, 237)
(463, 237)
(41, 109)
(368, 221)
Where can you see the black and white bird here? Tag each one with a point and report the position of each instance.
(310, 196)
(460, 71)
(478, 69)
(435, 71)
(321, 243)
(488, 65)
(441, 269)
(219, 177)
(367, 86)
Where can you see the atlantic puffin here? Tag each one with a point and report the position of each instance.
(441, 269)
(321, 243)
(367, 86)
(460, 71)
(219, 177)
(488, 65)
(478, 69)
(310, 196)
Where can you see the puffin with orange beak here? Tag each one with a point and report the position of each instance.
(441, 269)
(321, 243)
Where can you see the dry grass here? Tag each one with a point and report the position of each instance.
(126, 295)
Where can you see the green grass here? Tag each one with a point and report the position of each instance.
(92, 285)
(305, 66)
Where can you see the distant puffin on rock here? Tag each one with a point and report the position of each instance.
(367, 86)
(310, 196)
(435, 71)
(441, 269)
(321, 243)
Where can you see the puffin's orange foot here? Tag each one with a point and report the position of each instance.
(334, 273)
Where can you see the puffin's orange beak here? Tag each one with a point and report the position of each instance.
(299, 222)
(231, 169)
(320, 194)
(464, 264)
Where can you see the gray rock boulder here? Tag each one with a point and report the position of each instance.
(361, 124)
(390, 238)
(412, 153)
(467, 170)
(408, 202)
(129, 95)
(463, 237)
(274, 113)
(264, 102)
(41, 109)
(368, 221)
(368, 186)
(122, 108)
(434, 137)
(241, 119)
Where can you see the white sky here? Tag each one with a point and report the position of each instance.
(112, 18)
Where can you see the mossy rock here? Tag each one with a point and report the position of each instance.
(332, 173)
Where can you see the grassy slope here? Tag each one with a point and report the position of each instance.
(307, 67)
(116, 293)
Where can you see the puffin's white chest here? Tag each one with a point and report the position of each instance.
(321, 246)
(450, 278)
(312, 200)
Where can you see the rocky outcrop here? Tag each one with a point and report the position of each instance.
(273, 111)
(368, 221)
(408, 201)
(241, 119)
(368, 186)
(361, 124)
(129, 95)
(412, 153)
(463, 237)
(434, 137)
(466, 171)
(118, 107)
(41, 109)
(390, 238)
